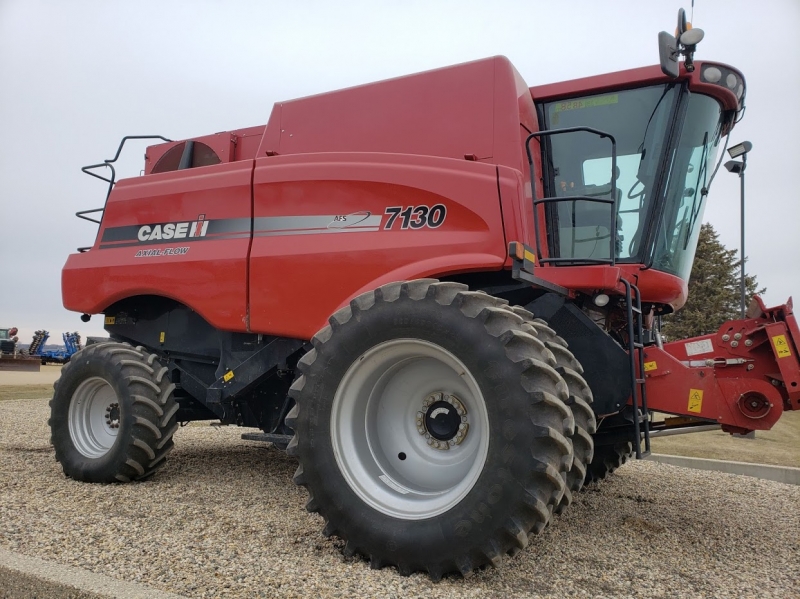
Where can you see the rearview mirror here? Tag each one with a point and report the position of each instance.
(668, 54)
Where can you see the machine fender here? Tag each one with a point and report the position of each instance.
(437, 267)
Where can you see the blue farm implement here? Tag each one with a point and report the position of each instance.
(72, 343)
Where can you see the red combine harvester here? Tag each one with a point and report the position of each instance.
(440, 292)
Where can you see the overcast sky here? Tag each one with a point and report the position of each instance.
(75, 77)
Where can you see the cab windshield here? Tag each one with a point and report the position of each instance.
(663, 163)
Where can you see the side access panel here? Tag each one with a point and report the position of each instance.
(330, 226)
(184, 235)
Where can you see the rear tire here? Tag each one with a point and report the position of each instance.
(607, 458)
(364, 434)
(112, 416)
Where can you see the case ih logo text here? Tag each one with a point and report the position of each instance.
(197, 228)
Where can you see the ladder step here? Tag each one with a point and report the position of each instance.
(641, 381)
(636, 310)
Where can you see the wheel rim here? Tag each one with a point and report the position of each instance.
(379, 428)
(94, 417)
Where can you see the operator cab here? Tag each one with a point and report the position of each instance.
(667, 143)
(627, 160)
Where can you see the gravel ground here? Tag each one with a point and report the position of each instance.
(223, 519)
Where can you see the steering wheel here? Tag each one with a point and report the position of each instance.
(633, 196)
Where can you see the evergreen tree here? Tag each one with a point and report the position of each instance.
(714, 290)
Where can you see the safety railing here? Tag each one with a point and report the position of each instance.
(610, 201)
(109, 163)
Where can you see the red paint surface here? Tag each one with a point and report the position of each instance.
(400, 142)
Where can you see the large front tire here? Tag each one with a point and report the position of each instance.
(580, 398)
(379, 437)
(112, 416)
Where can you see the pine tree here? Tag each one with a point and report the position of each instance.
(714, 290)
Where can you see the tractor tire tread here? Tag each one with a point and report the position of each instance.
(147, 413)
(550, 433)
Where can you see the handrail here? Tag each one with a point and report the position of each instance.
(108, 163)
(612, 200)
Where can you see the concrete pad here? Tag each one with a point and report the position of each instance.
(23, 577)
(781, 474)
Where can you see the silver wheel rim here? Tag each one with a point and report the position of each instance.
(375, 422)
(93, 417)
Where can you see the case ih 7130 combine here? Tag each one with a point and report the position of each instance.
(439, 292)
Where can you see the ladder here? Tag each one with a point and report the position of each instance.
(641, 420)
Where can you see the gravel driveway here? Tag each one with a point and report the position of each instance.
(223, 519)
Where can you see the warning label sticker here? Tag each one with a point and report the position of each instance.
(648, 366)
(695, 401)
(781, 346)
(695, 348)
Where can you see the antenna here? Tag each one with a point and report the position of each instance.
(683, 43)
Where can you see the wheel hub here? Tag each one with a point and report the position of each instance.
(112, 415)
(442, 421)
(94, 417)
(381, 440)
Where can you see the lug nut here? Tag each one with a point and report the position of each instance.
(734, 344)
(748, 342)
(726, 337)
(430, 441)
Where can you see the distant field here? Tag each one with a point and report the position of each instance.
(779, 446)
(28, 385)
(25, 391)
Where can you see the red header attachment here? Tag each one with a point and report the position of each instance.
(742, 377)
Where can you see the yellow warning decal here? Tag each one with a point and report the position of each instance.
(111, 319)
(161, 337)
(781, 346)
(648, 366)
(227, 376)
(695, 400)
(530, 256)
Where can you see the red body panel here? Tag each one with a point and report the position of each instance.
(426, 140)
(305, 264)
(210, 278)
